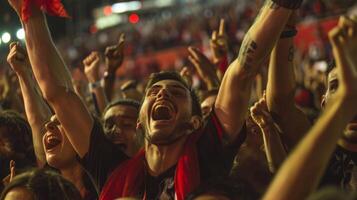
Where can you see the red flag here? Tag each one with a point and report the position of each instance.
(52, 7)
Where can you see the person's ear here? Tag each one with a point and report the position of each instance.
(196, 122)
(323, 101)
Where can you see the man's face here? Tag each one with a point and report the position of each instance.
(350, 133)
(120, 124)
(166, 112)
(59, 151)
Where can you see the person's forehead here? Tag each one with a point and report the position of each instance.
(19, 193)
(169, 83)
(122, 110)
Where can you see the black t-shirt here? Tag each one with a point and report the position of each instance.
(340, 168)
(162, 186)
(102, 156)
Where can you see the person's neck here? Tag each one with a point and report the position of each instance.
(160, 158)
(130, 149)
(74, 173)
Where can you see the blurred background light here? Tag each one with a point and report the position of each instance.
(6, 37)
(20, 34)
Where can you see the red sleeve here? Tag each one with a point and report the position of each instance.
(52, 7)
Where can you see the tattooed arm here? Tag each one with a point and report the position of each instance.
(281, 91)
(233, 98)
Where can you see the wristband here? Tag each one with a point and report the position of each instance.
(289, 4)
(288, 33)
(94, 85)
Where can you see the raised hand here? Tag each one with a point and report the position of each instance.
(260, 114)
(91, 67)
(17, 58)
(114, 55)
(186, 73)
(12, 170)
(344, 42)
(205, 69)
(12, 174)
(219, 42)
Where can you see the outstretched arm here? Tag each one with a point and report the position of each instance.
(301, 172)
(233, 98)
(55, 81)
(114, 57)
(91, 70)
(37, 111)
(274, 148)
(281, 90)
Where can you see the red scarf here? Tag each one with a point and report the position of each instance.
(52, 7)
(127, 179)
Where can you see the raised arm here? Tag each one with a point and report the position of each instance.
(91, 70)
(233, 98)
(274, 148)
(301, 172)
(281, 90)
(205, 69)
(54, 80)
(37, 111)
(114, 57)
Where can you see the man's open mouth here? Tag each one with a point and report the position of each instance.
(163, 112)
(51, 141)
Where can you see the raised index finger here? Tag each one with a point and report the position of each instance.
(221, 27)
(121, 38)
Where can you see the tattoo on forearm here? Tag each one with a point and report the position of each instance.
(248, 47)
(291, 54)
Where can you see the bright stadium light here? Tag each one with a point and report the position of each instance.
(20, 34)
(122, 7)
(6, 37)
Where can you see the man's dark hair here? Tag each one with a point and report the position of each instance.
(44, 184)
(17, 131)
(227, 187)
(172, 75)
(125, 102)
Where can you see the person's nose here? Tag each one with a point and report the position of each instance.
(163, 93)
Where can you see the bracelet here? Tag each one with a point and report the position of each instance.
(289, 4)
(288, 33)
(94, 85)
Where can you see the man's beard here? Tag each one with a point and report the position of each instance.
(180, 131)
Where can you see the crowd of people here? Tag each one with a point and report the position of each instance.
(262, 122)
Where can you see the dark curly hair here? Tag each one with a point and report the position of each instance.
(44, 184)
(17, 131)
